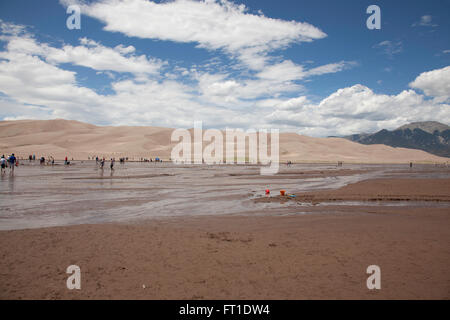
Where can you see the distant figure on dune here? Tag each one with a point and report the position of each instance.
(3, 164)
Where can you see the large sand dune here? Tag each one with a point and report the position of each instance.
(60, 138)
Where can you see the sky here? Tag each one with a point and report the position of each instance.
(306, 66)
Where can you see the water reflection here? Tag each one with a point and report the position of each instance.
(11, 182)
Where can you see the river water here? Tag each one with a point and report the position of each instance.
(42, 196)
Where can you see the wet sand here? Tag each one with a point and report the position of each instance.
(289, 257)
(382, 190)
(316, 247)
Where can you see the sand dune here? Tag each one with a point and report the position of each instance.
(60, 138)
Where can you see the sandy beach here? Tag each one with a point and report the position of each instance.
(314, 246)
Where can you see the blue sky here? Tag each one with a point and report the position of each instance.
(311, 67)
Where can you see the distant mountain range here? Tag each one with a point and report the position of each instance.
(430, 136)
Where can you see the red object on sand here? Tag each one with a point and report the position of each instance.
(267, 191)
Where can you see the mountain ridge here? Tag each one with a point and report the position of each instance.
(429, 136)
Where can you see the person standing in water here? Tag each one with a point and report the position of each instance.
(3, 164)
(12, 162)
(112, 163)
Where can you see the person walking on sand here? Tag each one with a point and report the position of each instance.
(112, 163)
(102, 163)
(3, 164)
(12, 162)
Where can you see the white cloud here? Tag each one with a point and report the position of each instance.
(11, 29)
(31, 74)
(390, 48)
(35, 83)
(425, 21)
(435, 83)
(89, 54)
(272, 81)
(284, 71)
(331, 68)
(212, 24)
(102, 58)
(357, 109)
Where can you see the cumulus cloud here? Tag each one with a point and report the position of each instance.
(356, 109)
(435, 83)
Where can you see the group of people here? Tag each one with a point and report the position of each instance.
(42, 160)
(102, 162)
(150, 160)
(122, 160)
(10, 162)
